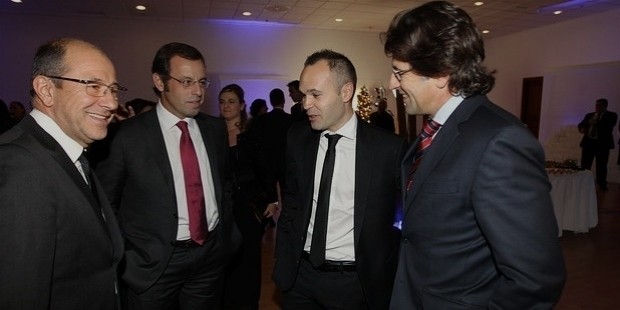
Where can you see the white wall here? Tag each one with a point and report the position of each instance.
(232, 51)
(580, 62)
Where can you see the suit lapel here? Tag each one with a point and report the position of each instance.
(156, 146)
(62, 159)
(308, 164)
(364, 155)
(441, 144)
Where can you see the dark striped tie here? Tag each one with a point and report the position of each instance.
(425, 139)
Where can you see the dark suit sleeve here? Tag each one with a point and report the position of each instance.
(515, 213)
(27, 231)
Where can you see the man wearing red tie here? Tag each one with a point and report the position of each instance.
(167, 177)
(478, 229)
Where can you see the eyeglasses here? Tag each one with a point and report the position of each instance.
(187, 83)
(95, 88)
(398, 74)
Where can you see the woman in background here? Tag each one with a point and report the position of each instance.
(255, 199)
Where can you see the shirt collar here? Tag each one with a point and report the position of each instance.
(348, 130)
(70, 146)
(169, 120)
(447, 108)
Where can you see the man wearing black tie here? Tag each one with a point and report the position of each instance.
(336, 245)
(60, 240)
(598, 138)
(167, 177)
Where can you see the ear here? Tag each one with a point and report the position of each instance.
(44, 90)
(158, 82)
(347, 91)
(442, 82)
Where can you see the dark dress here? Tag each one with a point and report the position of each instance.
(254, 184)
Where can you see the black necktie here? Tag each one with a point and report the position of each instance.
(85, 168)
(319, 234)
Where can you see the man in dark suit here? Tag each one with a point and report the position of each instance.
(270, 130)
(178, 231)
(478, 229)
(344, 257)
(61, 243)
(297, 110)
(598, 138)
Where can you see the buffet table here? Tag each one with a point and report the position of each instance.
(574, 199)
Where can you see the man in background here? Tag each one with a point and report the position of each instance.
(297, 110)
(336, 245)
(382, 117)
(478, 229)
(167, 177)
(597, 128)
(60, 238)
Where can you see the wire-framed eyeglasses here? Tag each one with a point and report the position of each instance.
(187, 83)
(398, 74)
(95, 88)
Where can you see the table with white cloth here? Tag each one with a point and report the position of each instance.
(574, 199)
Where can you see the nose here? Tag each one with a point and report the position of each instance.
(306, 103)
(108, 101)
(394, 83)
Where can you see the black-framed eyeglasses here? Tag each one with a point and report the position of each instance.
(398, 74)
(94, 88)
(187, 83)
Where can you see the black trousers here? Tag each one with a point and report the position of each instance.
(601, 154)
(192, 280)
(316, 290)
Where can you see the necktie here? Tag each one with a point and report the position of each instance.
(319, 234)
(85, 167)
(424, 141)
(193, 187)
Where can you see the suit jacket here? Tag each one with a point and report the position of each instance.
(59, 252)
(270, 130)
(604, 127)
(376, 191)
(478, 224)
(137, 177)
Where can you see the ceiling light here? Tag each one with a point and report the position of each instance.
(16, 1)
(478, 3)
(140, 7)
(557, 12)
(563, 6)
(338, 19)
(486, 31)
(246, 13)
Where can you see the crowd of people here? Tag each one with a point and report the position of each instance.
(170, 209)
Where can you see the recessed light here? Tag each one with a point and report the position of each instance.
(557, 12)
(486, 31)
(478, 3)
(246, 13)
(16, 1)
(140, 7)
(338, 19)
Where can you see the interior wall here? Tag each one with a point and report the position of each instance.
(234, 52)
(580, 62)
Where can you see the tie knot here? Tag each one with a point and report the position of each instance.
(430, 128)
(183, 126)
(332, 140)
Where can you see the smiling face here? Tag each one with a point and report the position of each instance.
(178, 100)
(421, 95)
(82, 117)
(328, 106)
(230, 106)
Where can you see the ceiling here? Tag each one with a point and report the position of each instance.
(500, 17)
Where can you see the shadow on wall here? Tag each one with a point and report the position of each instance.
(564, 144)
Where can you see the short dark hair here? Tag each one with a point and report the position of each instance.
(276, 97)
(161, 62)
(338, 63)
(440, 39)
(256, 106)
(602, 101)
(49, 60)
(294, 84)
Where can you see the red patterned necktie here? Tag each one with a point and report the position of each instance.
(193, 187)
(426, 138)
